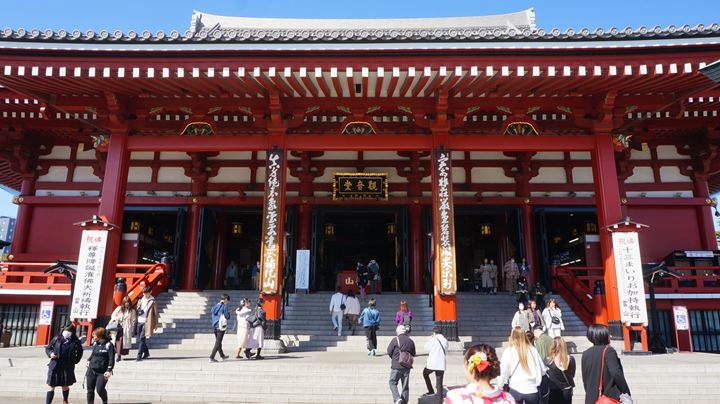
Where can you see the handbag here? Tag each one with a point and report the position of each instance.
(406, 359)
(555, 320)
(342, 304)
(506, 386)
(222, 323)
(112, 326)
(603, 399)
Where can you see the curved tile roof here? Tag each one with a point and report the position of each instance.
(513, 27)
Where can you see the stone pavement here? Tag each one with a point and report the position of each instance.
(172, 376)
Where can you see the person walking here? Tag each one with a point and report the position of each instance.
(538, 294)
(231, 275)
(602, 372)
(219, 320)
(536, 317)
(241, 315)
(477, 278)
(561, 372)
(64, 351)
(99, 366)
(436, 347)
(485, 273)
(521, 369)
(374, 272)
(494, 276)
(254, 275)
(362, 279)
(256, 331)
(524, 268)
(542, 343)
(511, 273)
(370, 318)
(352, 311)
(337, 307)
(146, 323)
(404, 317)
(400, 364)
(521, 318)
(125, 316)
(552, 317)
(481, 367)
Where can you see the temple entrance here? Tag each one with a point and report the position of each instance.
(488, 232)
(148, 233)
(228, 235)
(344, 236)
(566, 236)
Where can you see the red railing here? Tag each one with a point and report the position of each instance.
(576, 285)
(151, 275)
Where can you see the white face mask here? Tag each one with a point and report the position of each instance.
(66, 334)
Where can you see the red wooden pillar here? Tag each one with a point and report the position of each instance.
(445, 289)
(273, 239)
(112, 205)
(704, 214)
(529, 241)
(191, 249)
(304, 226)
(24, 216)
(416, 240)
(607, 197)
(218, 278)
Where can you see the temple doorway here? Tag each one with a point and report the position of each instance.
(489, 232)
(228, 235)
(344, 236)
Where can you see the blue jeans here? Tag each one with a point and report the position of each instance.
(142, 341)
(400, 375)
(521, 398)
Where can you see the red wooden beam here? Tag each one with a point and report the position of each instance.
(199, 143)
(520, 143)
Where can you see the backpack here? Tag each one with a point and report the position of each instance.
(406, 322)
(406, 359)
(374, 268)
(222, 321)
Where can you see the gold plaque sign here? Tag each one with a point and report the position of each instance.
(360, 186)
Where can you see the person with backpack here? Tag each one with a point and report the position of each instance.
(99, 366)
(256, 331)
(220, 315)
(374, 271)
(401, 351)
(64, 351)
(404, 317)
(370, 318)
(436, 347)
(481, 366)
(337, 308)
(362, 279)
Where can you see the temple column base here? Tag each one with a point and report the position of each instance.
(449, 329)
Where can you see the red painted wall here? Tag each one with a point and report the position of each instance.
(671, 228)
(52, 230)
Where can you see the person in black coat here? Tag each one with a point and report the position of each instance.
(398, 372)
(561, 373)
(99, 366)
(614, 383)
(64, 351)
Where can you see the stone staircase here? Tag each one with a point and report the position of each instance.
(487, 318)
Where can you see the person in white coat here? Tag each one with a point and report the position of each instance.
(522, 369)
(436, 347)
(241, 314)
(552, 317)
(337, 307)
(352, 311)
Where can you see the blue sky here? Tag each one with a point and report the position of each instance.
(175, 15)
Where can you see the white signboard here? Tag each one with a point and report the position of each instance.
(46, 313)
(681, 318)
(628, 268)
(302, 269)
(86, 294)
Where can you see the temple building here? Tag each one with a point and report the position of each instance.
(426, 144)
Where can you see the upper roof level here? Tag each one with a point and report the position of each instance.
(213, 32)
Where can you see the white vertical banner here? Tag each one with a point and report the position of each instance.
(628, 269)
(86, 294)
(302, 269)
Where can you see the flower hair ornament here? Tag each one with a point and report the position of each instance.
(478, 361)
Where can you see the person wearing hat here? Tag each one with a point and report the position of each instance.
(436, 347)
(400, 367)
(64, 351)
(256, 331)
